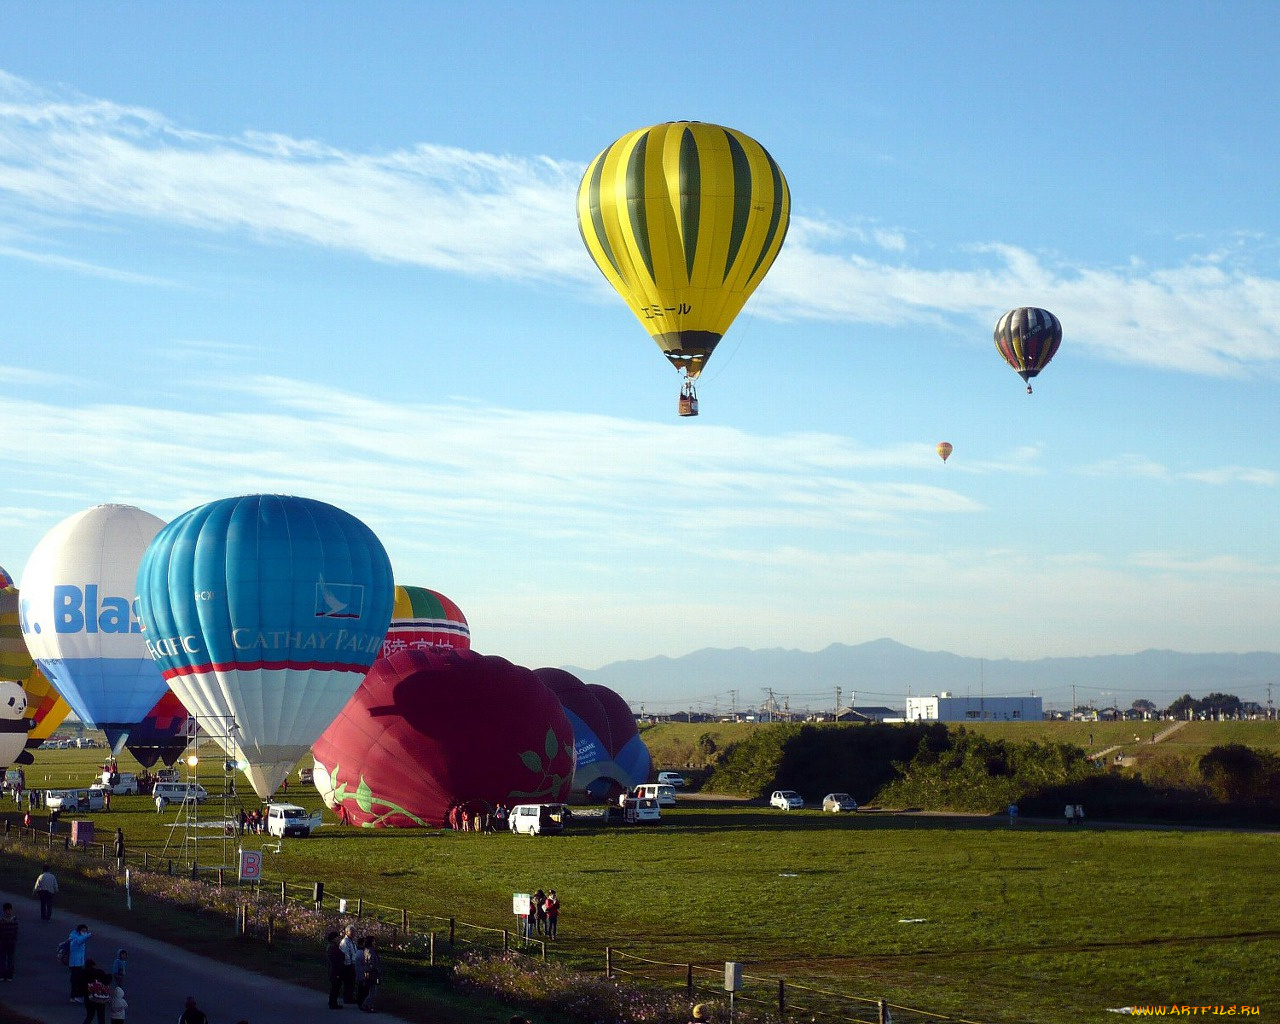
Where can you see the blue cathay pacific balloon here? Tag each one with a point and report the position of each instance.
(264, 613)
(78, 613)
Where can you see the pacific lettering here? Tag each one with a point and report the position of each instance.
(171, 647)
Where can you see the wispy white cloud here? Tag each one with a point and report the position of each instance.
(605, 481)
(1141, 467)
(496, 215)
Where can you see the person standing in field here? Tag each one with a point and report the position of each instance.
(349, 952)
(8, 942)
(551, 907)
(46, 889)
(1013, 814)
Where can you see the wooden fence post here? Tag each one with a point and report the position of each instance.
(452, 923)
(431, 947)
(360, 906)
(271, 930)
(782, 997)
(404, 921)
(543, 943)
(220, 878)
(506, 944)
(608, 961)
(284, 892)
(884, 1011)
(688, 979)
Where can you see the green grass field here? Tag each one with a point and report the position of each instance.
(1036, 923)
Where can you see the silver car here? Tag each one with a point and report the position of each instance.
(839, 802)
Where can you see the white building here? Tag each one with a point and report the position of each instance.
(946, 707)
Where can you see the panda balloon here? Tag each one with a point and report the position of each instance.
(13, 726)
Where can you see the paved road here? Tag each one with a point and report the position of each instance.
(159, 980)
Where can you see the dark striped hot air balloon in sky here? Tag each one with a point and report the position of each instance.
(684, 219)
(1028, 337)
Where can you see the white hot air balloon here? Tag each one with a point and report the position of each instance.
(78, 609)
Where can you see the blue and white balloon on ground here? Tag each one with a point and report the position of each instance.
(264, 613)
(78, 612)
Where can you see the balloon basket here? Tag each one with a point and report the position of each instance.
(688, 405)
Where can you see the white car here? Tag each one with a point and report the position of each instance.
(786, 800)
(837, 802)
(670, 779)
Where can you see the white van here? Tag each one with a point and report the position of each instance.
(68, 800)
(637, 811)
(288, 820)
(537, 819)
(664, 794)
(180, 792)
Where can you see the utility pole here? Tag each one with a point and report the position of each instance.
(837, 714)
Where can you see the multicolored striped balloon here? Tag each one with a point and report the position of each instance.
(422, 619)
(1027, 338)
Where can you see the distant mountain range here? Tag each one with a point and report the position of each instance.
(884, 672)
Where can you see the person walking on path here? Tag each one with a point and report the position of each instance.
(46, 889)
(1069, 812)
(79, 940)
(119, 1005)
(349, 951)
(1079, 814)
(8, 941)
(120, 965)
(119, 849)
(97, 993)
(192, 1014)
(333, 957)
(372, 974)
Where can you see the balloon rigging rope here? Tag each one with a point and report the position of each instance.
(724, 365)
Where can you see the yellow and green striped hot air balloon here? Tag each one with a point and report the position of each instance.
(684, 219)
(15, 660)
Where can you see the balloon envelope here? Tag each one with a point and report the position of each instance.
(1027, 338)
(611, 757)
(684, 219)
(264, 612)
(944, 450)
(422, 619)
(430, 731)
(163, 735)
(15, 660)
(79, 614)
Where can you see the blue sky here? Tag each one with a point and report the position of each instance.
(330, 249)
